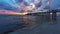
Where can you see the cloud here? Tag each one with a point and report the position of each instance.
(11, 3)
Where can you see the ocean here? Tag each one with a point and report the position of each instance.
(30, 24)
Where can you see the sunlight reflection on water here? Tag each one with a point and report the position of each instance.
(12, 23)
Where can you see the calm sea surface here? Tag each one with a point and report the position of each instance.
(43, 24)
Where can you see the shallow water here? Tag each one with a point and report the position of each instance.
(43, 24)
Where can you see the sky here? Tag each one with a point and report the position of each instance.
(13, 4)
(55, 4)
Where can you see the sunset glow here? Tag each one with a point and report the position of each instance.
(12, 12)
